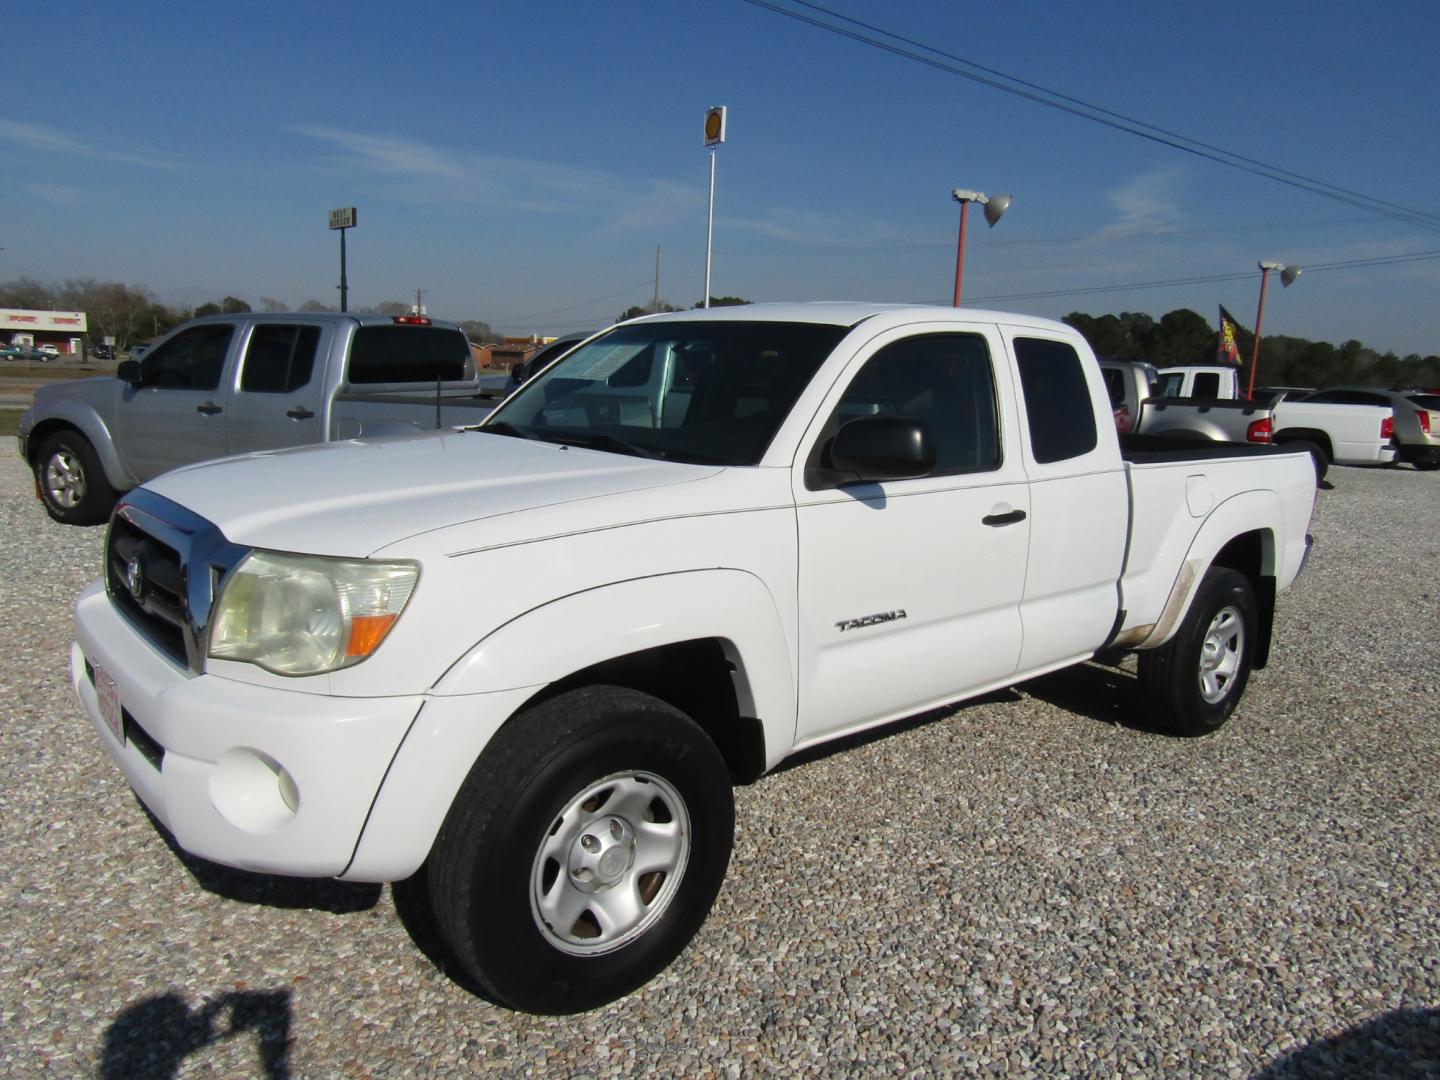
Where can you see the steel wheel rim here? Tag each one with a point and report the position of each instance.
(610, 864)
(64, 479)
(1220, 654)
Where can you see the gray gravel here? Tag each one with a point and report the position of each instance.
(1027, 885)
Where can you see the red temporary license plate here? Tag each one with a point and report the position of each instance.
(109, 696)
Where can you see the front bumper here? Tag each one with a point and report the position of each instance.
(254, 777)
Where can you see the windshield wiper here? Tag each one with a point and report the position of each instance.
(599, 441)
(502, 427)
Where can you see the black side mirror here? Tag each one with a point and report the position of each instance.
(870, 449)
(129, 371)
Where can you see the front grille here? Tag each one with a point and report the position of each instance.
(147, 582)
(163, 569)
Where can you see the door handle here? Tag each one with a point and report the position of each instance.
(299, 413)
(209, 408)
(996, 520)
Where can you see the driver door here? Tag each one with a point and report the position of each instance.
(176, 415)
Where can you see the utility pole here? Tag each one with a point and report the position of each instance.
(419, 302)
(655, 303)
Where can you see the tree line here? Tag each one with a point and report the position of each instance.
(130, 313)
(1185, 337)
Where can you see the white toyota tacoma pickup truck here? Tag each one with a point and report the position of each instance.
(528, 659)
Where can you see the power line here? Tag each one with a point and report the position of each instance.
(1053, 99)
(1318, 268)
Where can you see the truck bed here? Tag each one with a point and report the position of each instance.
(1153, 449)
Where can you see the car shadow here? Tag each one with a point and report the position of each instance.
(1097, 690)
(270, 890)
(412, 905)
(151, 1039)
(1402, 1043)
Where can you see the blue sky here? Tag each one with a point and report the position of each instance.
(521, 162)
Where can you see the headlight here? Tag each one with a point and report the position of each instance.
(305, 615)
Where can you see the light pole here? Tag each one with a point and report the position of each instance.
(714, 136)
(1287, 275)
(994, 207)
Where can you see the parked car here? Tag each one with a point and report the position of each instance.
(527, 369)
(232, 384)
(1416, 415)
(528, 660)
(102, 351)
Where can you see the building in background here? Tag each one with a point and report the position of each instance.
(60, 331)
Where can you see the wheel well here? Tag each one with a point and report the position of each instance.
(42, 431)
(1253, 555)
(698, 678)
(1319, 438)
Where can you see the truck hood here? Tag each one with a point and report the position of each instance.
(354, 498)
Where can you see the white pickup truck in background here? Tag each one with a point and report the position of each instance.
(1148, 400)
(528, 659)
(231, 384)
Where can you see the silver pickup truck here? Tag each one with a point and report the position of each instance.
(1331, 434)
(232, 384)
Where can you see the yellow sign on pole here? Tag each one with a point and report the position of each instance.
(715, 126)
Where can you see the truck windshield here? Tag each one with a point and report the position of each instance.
(701, 392)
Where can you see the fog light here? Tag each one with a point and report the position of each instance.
(253, 791)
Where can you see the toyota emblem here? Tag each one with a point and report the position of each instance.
(135, 578)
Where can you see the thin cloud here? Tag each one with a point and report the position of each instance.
(1148, 204)
(426, 173)
(50, 141)
(57, 194)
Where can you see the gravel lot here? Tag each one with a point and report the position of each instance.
(1027, 885)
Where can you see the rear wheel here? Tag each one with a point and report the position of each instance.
(72, 482)
(584, 850)
(1190, 685)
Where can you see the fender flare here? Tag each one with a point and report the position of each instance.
(495, 678)
(540, 646)
(1247, 512)
(83, 417)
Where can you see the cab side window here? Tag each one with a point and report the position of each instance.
(942, 380)
(191, 360)
(1057, 400)
(279, 359)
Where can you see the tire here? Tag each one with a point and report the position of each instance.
(583, 852)
(1318, 457)
(71, 481)
(1190, 685)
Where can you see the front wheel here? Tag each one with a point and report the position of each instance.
(584, 850)
(72, 481)
(1190, 685)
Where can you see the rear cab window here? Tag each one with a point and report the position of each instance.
(279, 359)
(1058, 407)
(385, 353)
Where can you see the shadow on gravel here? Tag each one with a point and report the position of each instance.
(271, 890)
(151, 1039)
(1395, 1046)
(412, 905)
(1096, 691)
